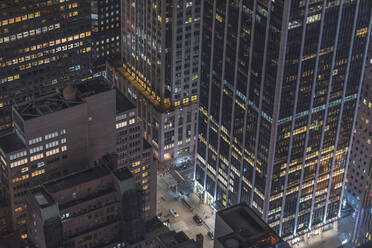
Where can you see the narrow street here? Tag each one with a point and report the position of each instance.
(170, 184)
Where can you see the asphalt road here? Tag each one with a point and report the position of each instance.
(169, 199)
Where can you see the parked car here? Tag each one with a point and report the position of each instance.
(210, 235)
(174, 213)
(198, 220)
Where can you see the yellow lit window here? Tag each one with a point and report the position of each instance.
(218, 17)
(38, 172)
(361, 31)
(134, 164)
(145, 174)
(144, 181)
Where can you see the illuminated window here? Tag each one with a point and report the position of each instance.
(18, 163)
(38, 172)
(36, 157)
(313, 18)
(52, 152)
(134, 164)
(362, 31)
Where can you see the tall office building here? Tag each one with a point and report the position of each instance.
(43, 44)
(359, 175)
(105, 16)
(160, 63)
(280, 83)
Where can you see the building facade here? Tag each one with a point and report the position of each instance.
(279, 87)
(171, 132)
(55, 136)
(160, 61)
(43, 45)
(88, 208)
(134, 152)
(105, 16)
(358, 189)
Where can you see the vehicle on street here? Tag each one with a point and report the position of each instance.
(210, 235)
(173, 213)
(198, 220)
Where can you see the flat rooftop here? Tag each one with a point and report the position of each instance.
(123, 173)
(122, 103)
(92, 87)
(72, 180)
(56, 102)
(42, 197)
(241, 217)
(248, 229)
(45, 105)
(11, 143)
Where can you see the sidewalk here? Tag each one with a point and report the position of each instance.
(329, 238)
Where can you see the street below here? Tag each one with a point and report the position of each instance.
(175, 191)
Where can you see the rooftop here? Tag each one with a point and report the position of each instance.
(42, 197)
(172, 239)
(123, 173)
(45, 105)
(72, 180)
(122, 103)
(11, 143)
(56, 102)
(92, 87)
(248, 229)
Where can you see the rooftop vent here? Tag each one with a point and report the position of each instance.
(69, 93)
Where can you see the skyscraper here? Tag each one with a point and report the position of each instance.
(105, 16)
(280, 82)
(160, 61)
(358, 190)
(43, 44)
